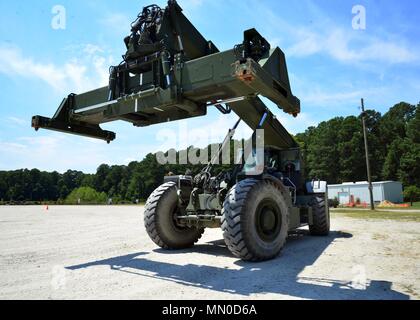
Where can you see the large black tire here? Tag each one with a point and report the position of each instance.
(321, 217)
(255, 220)
(159, 220)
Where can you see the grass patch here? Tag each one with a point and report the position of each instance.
(384, 215)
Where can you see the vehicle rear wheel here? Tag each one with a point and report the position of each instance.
(160, 220)
(255, 220)
(320, 217)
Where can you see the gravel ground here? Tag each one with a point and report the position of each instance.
(96, 252)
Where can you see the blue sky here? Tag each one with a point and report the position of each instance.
(331, 67)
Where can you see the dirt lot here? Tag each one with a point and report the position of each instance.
(105, 253)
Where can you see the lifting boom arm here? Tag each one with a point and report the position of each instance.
(170, 72)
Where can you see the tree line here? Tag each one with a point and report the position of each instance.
(131, 183)
(332, 151)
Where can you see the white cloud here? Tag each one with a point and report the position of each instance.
(77, 75)
(339, 42)
(17, 121)
(92, 49)
(12, 63)
(347, 47)
(320, 97)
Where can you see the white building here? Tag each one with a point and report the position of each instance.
(359, 191)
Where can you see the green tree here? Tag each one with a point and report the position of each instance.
(323, 153)
(100, 178)
(409, 169)
(152, 174)
(3, 185)
(393, 124)
(350, 148)
(377, 151)
(86, 195)
(411, 194)
(413, 129)
(393, 158)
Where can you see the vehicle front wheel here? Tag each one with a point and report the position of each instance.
(255, 220)
(160, 215)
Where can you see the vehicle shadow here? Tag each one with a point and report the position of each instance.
(280, 276)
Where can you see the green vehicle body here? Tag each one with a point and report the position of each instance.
(171, 72)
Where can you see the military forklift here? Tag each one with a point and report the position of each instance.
(171, 72)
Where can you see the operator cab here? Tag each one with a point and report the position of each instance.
(284, 165)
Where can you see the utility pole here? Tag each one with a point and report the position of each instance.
(372, 204)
